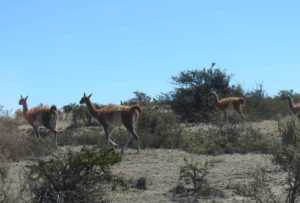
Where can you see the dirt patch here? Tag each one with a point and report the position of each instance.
(161, 169)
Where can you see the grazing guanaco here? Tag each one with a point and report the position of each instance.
(45, 115)
(113, 116)
(226, 103)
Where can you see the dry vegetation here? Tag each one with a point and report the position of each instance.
(153, 175)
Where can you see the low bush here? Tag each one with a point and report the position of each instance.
(82, 136)
(230, 139)
(260, 189)
(193, 173)
(193, 182)
(73, 177)
(159, 129)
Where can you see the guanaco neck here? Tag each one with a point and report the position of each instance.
(92, 108)
(291, 104)
(216, 98)
(25, 108)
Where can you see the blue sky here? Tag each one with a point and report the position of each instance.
(54, 51)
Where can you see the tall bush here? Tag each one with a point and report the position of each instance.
(191, 99)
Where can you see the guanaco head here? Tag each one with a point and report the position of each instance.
(85, 99)
(23, 100)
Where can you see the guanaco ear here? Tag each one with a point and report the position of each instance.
(26, 98)
(21, 97)
(89, 95)
(84, 94)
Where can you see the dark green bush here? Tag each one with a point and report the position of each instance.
(191, 99)
(73, 177)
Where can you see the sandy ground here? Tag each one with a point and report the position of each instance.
(161, 168)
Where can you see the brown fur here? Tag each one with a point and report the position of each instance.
(45, 111)
(294, 108)
(110, 115)
(40, 115)
(223, 104)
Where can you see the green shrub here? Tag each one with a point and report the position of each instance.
(193, 182)
(196, 175)
(230, 139)
(159, 129)
(73, 177)
(191, 101)
(287, 156)
(289, 131)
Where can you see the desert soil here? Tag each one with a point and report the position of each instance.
(161, 168)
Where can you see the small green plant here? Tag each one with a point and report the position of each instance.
(193, 173)
(74, 177)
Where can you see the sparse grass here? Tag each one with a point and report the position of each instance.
(14, 144)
